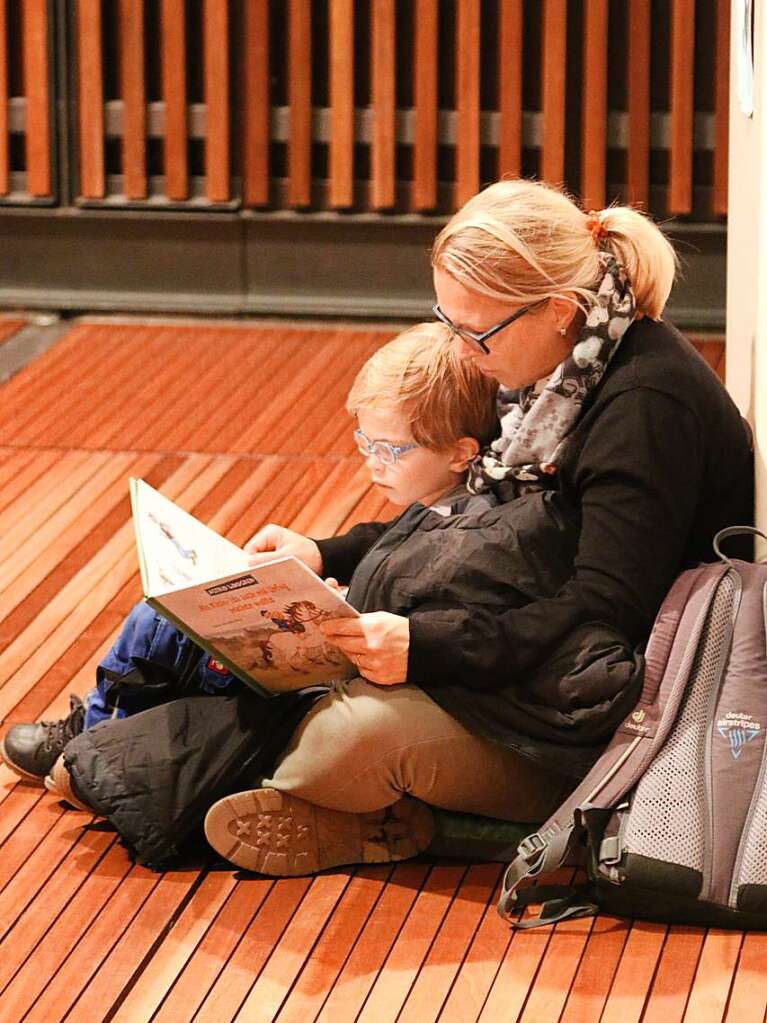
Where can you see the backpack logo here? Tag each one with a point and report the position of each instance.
(738, 729)
(638, 716)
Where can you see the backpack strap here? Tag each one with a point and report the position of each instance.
(558, 902)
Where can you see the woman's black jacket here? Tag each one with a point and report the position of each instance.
(658, 462)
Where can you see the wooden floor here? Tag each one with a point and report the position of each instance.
(242, 425)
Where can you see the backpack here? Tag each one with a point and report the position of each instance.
(671, 822)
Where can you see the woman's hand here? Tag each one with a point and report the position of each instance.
(276, 542)
(376, 642)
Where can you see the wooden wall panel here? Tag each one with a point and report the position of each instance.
(425, 71)
(467, 103)
(341, 145)
(594, 128)
(638, 87)
(34, 30)
(5, 177)
(300, 103)
(256, 103)
(510, 88)
(216, 72)
(554, 66)
(133, 92)
(721, 106)
(383, 102)
(173, 49)
(682, 105)
(280, 98)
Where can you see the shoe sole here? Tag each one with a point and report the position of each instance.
(59, 783)
(25, 775)
(272, 833)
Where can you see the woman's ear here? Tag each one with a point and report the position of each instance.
(464, 450)
(564, 313)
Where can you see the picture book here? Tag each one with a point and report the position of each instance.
(261, 623)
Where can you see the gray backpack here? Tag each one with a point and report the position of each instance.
(671, 822)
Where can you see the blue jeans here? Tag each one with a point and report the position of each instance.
(150, 663)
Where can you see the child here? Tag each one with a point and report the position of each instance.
(422, 415)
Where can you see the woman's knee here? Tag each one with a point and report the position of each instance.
(341, 750)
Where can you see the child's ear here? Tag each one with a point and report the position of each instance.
(464, 450)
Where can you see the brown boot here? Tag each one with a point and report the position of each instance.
(59, 782)
(273, 833)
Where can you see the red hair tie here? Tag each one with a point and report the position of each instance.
(596, 228)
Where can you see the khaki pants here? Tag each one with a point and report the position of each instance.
(363, 746)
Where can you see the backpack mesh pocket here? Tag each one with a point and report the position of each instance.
(668, 819)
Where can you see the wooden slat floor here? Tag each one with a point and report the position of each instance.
(242, 424)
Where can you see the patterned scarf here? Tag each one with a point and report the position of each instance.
(535, 426)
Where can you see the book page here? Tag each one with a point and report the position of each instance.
(175, 548)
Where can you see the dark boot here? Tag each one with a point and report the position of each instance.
(32, 750)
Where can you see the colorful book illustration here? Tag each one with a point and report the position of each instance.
(261, 623)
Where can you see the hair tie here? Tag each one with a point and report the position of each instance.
(596, 228)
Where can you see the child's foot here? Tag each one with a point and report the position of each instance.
(273, 833)
(32, 750)
(60, 783)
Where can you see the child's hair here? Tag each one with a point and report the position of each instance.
(418, 373)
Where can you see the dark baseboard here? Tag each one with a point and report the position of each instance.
(240, 264)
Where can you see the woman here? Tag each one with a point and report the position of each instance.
(495, 711)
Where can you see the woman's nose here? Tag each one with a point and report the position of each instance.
(463, 349)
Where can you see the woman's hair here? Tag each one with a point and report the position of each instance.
(445, 398)
(523, 241)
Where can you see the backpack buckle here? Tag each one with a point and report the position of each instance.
(531, 848)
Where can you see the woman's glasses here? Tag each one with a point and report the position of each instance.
(480, 340)
(383, 450)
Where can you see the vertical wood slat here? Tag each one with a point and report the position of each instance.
(300, 103)
(34, 32)
(594, 130)
(173, 48)
(215, 15)
(638, 101)
(425, 66)
(467, 144)
(510, 89)
(682, 106)
(91, 99)
(90, 79)
(554, 65)
(133, 91)
(257, 112)
(5, 177)
(384, 99)
(341, 148)
(721, 106)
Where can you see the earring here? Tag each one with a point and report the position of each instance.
(563, 331)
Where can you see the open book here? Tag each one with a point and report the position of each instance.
(261, 623)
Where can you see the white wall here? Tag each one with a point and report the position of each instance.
(747, 244)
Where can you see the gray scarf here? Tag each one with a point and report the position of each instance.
(535, 426)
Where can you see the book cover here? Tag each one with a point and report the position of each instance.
(262, 623)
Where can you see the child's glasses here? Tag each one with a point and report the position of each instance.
(383, 450)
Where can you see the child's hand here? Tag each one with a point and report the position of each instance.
(277, 541)
(376, 642)
(335, 585)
